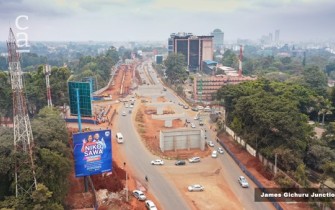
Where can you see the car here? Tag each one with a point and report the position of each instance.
(220, 150)
(187, 121)
(195, 109)
(243, 181)
(210, 143)
(207, 109)
(124, 113)
(131, 106)
(194, 160)
(192, 125)
(186, 107)
(126, 105)
(200, 107)
(201, 123)
(139, 195)
(157, 162)
(150, 205)
(180, 162)
(195, 187)
(196, 117)
(164, 89)
(214, 154)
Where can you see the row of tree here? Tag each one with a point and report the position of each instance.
(273, 117)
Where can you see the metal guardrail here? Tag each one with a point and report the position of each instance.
(252, 177)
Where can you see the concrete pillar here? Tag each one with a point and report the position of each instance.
(168, 123)
(160, 110)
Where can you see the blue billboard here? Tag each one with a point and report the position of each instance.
(92, 152)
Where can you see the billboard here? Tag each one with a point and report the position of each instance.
(85, 98)
(92, 152)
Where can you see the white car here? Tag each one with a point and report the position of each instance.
(150, 205)
(192, 125)
(210, 143)
(200, 107)
(220, 150)
(131, 106)
(157, 162)
(196, 117)
(139, 195)
(124, 113)
(214, 154)
(195, 187)
(243, 181)
(126, 105)
(194, 159)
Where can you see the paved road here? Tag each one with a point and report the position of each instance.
(138, 158)
(230, 169)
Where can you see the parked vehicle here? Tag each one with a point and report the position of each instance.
(194, 159)
(207, 109)
(195, 187)
(192, 125)
(124, 113)
(195, 109)
(200, 107)
(180, 162)
(201, 123)
(150, 205)
(214, 154)
(139, 195)
(243, 181)
(119, 138)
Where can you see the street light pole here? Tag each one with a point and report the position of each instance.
(275, 163)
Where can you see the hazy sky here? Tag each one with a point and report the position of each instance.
(128, 20)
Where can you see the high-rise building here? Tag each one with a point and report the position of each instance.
(277, 35)
(218, 39)
(195, 48)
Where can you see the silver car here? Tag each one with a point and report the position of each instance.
(195, 187)
(139, 195)
(150, 205)
(243, 181)
(194, 159)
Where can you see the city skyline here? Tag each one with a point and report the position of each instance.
(145, 20)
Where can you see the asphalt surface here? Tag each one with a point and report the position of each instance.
(168, 196)
(139, 159)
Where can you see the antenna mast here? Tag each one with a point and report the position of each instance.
(23, 137)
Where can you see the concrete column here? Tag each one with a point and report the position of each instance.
(159, 110)
(168, 123)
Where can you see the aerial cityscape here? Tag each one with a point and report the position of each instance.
(174, 105)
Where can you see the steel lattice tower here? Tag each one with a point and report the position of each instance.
(25, 180)
(47, 72)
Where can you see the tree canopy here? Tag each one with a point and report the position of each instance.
(176, 68)
(52, 164)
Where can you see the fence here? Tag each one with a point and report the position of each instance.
(245, 170)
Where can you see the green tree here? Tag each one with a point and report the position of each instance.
(176, 68)
(315, 79)
(301, 175)
(230, 59)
